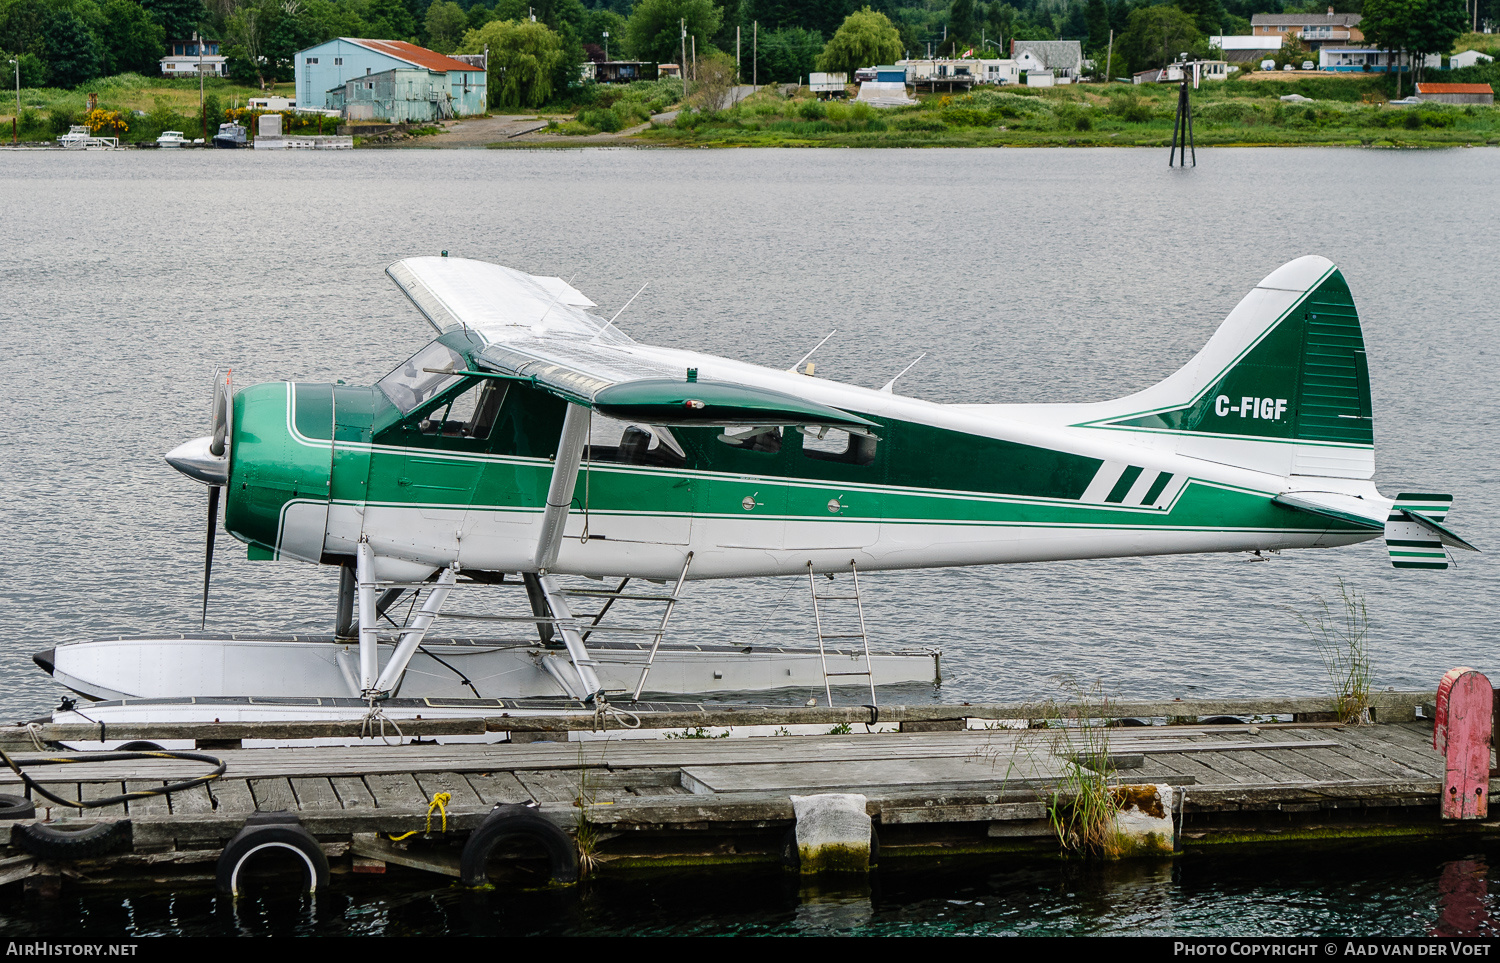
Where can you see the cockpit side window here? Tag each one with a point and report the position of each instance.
(765, 440)
(468, 414)
(422, 376)
(632, 444)
(835, 444)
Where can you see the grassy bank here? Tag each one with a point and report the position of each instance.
(148, 105)
(1344, 111)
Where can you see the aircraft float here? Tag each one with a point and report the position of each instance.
(533, 441)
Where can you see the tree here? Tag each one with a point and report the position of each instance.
(963, 29)
(73, 54)
(789, 54)
(1097, 16)
(390, 20)
(446, 25)
(865, 39)
(131, 39)
(524, 58)
(178, 18)
(654, 31)
(1156, 35)
(1412, 28)
(1208, 15)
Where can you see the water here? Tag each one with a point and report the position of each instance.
(1044, 275)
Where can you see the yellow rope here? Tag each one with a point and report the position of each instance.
(439, 803)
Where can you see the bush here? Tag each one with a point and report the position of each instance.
(1132, 109)
(60, 119)
(601, 119)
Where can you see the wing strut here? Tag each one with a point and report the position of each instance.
(575, 434)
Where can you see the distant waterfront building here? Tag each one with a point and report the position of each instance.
(1456, 93)
(1468, 58)
(387, 79)
(1313, 29)
(189, 56)
(1062, 58)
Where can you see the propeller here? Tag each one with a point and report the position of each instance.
(207, 460)
(218, 447)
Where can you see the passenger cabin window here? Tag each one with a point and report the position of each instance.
(468, 414)
(835, 444)
(767, 440)
(422, 376)
(623, 443)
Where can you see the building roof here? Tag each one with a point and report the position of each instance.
(412, 54)
(1455, 89)
(1306, 19)
(1054, 54)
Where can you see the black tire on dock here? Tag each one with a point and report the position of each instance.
(70, 841)
(511, 821)
(140, 745)
(265, 832)
(16, 807)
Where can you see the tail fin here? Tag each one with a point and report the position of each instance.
(1282, 385)
(1415, 533)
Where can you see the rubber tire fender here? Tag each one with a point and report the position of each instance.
(16, 807)
(282, 835)
(54, 842)
(507, 821)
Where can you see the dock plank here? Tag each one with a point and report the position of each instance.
(191, 801)
(352, 792)
(396, 791)
(1400, 744)
(1203, 773)
(150, 805)
(550, 786)
(461, 795)
(273, 795)
(1355, 761)
(315, 793)
(498, 787)
(232, 797)
(102, 790)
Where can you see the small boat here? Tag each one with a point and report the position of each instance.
(231, 136)
(171, 138)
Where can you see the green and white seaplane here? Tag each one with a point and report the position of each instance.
(532, 442)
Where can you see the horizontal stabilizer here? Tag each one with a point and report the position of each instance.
(1415, 533)
(1349, 509)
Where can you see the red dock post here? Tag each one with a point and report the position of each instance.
(1461, 732)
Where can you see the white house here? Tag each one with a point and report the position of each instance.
(1468, 59)
(188, 57)
(1062, 58)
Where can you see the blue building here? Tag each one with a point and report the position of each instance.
(451, 87)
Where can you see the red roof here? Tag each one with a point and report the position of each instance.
(1455, 89)
(416, 56)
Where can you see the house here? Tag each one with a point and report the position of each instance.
(188, 57)
(975, 70)
(386, 75)
(1062, 58)
(1369, 60)
(1468, 58)
(1456, 93)
(1313, 29)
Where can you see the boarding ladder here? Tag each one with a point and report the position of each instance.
(825, 637)
(608, 597)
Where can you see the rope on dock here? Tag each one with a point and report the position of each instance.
(33, 786)
(440, 803)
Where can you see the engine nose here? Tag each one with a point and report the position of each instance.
(196, 460)
(280, 451)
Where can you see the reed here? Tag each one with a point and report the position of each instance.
(1342, 638)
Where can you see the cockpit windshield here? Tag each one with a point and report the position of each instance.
(421, 376)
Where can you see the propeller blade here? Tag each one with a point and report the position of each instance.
(208, 547)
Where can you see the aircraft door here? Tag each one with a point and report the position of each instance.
(742, 504)
(349, 468)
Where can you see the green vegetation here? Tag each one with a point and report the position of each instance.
(865, 39)
(1347, 110)
(525, 58)
(609, 109)
(1343, 643)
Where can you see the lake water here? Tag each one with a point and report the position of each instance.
(1044, 275)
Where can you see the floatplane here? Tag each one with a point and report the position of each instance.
(532, 441)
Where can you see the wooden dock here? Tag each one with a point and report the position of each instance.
(944, 785)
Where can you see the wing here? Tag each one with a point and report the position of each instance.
(536, 329)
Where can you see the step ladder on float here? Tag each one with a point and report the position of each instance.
(819, 614)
